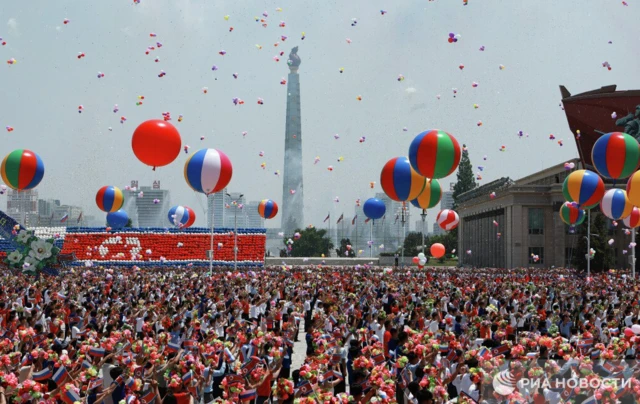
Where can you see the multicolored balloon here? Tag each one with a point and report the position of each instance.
(109, 198)
(616, 155)
(571, 214)
(208, 171)
(615, 205)
(118, 219)
(583, 187)
(374, 208)
(400, 181)
(434, 154)
(430, 195)
(268, 209)
(633, 188)
(447, 219)
(633, 220)
(22, 169)
(181, 216)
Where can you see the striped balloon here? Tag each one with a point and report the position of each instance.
(208, 171)
(181, 216)
(633, 220)
(633, 189)
(400, 181)
(447, 219)
(430, 195)
(571, 214)
(584, 187)
(615, 205)
(434, 154)
(109, 198)
(22, 169)
(268, 209)
(616, 155)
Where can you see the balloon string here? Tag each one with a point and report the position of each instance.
(154, 168)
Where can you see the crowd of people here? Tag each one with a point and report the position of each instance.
(365, 335)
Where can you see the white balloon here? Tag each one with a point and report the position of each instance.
(636, 329)
(421, 256)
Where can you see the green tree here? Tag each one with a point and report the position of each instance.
(603, 259)
(129, 223)
(412, 242)
(312, 243)
(342, 250)
(448, 240)
(465, 178)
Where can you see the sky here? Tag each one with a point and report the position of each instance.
(541, 44)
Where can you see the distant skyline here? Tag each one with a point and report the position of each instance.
(541, 45)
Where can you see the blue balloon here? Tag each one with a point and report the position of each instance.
(374, 208)
(117, 219)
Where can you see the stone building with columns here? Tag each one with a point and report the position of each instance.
(523, 220)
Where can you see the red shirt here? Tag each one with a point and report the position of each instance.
(387, 338)
(264, 390)
(183, 398)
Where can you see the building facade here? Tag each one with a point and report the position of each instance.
(216, 210)
(523, 222)
(22, 206)
(253, 218)
(149, 213)
(292, 185)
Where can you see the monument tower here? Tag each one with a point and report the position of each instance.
(292, 188)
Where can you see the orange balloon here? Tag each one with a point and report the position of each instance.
(437, 250)
(156, 143)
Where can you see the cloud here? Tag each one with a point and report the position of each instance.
(13, 25)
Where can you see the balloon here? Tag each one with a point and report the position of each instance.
(109, 198)
(118, 219)
(584, 187)
(633, 220)
(633, 189)
(636, 329)
(22, 169)
(268, 209)
(208, 171)
(447, 219)
(422, 256)
(415, 260)
(374, 208)
(156, 143)
(430, 195)
(297, 236)
(422, 261)
(437, 250)
(571, 214)
(181, 216)
(616, 155)
(434, 154)
(400, 181)
(615, 205)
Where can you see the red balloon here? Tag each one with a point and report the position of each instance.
(437, 250)
(156, 143)
(416, 260)
(450, 40)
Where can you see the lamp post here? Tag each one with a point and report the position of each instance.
(234, 202)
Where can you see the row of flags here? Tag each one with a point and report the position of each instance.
(353, 221)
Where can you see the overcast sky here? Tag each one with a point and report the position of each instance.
(542, 44)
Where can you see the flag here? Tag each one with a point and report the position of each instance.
(614, 331)
(353, 221)
(70, 396)
(332, 375)
(60, 376)
(80, 217)
(340, 218)
(249, 366)
(97, 383)
(97, 352)
(484, 353)
(444, 349)
(326, 218)
(186, 378)
(590, 400)
(595, 354)
(500, 350)
(452, 355)
(37, 339)
(235, 379)
(190, 344)
(61, 296)
(305, 388)
(148, 398)
(86, 364)
(42, 375)
(64, 218)
(248, 395)
(333, 320)
(171, 347)
(130, 382)
(336, 358)
(567, 393)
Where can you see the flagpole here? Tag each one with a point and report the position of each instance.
(371, 239)
(329, 231)
(356, 254)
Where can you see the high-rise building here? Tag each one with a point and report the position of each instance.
(292, 186)
(66, 216)
(22, 206)
(254, 220)
(234, 205)
(216, 210)
(149, 213)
